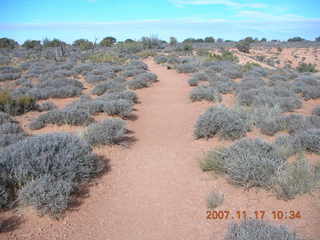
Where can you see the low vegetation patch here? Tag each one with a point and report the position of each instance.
(223, 122)
(256, 229)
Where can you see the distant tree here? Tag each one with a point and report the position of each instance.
(173, 41)
(228, 41)
(243, 46)
(108, 41)
(263, 40)
(8, 43)
(189, 40)
(220, 40)
(296, 39)
(199, 40)
(83, 44)
(317, 39)
(53, 43)
(249, 40)
(129, 40)
(209, 40)
(32, 44)
(151, 42)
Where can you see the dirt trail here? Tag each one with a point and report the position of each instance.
(155, 189)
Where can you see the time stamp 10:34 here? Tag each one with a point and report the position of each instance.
(258, 214)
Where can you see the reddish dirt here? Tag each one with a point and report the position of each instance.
(155, 189)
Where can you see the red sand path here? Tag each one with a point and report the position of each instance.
(156, 189)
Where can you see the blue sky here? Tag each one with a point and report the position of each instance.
(228, 19)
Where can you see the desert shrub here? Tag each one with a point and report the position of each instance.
(5, 189)
(306, 67)
(270, 97)
(110, 131)
(126, 95)
(16, 106)
(138, 83)
(60, 82)
(248, 162)
(83, 68)
(8, 128)
(47, 194)
(307, 86)
(221, 121)
(249, 66)
(287, 145)
(224, 87)
(56, 162)
(295, 179)
(46, 106)
(5, 118)
(215, 200)
(316, 111)
(197, 77)
(10, 69)
(160, 59)
(9, 76)
(205, 93)
(309, 140)
(60, 117)
(120, 107)
(256, 229)
(147, 76)
(186, 68)
(224, 56)
(110, 86)
(4, 60)
(61, 155)
(11, 138)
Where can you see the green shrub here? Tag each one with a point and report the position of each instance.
(306, 67)
(16, 106)
(30, 44)
(108, 41)
(83, 44)
(8, 43)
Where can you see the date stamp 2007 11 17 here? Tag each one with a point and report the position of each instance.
(258, 214)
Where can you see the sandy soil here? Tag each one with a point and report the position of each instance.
(155, 189)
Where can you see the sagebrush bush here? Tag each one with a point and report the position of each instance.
(47, 194)
(109, 86)
(138, 83)
(205, 93)
(256, 229)
(295, 179)
(110, 131)
(316, 111)
(248, 162)
(126, 95)
(120, 107)
(9, 76)
(147, 76)
(11, 138)
(160, 59)
(309, 140)
(223, 122)
(186, 68)
(5, 118)
(61, 117)
(287, 145)
(54, 161)
(46, 106)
